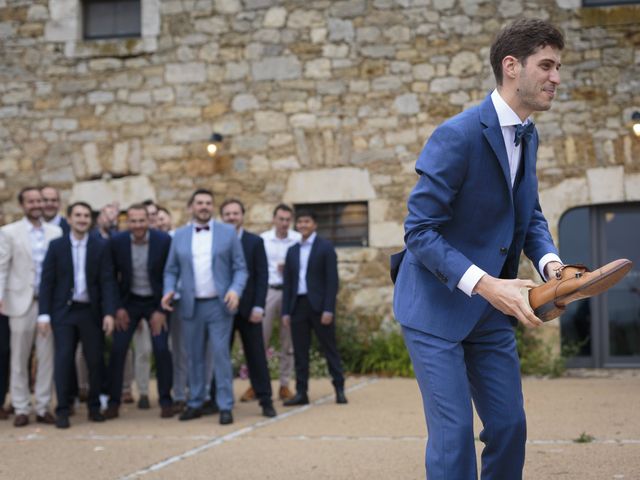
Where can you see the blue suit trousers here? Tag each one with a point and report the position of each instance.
(484, 369)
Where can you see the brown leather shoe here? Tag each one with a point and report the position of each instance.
(112, 411)
(127, 397)
(248, 396)
(285, 393)
(21, 421)
(47, 418)
(167, 412)
(572, 283)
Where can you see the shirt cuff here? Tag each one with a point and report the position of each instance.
(470, 279)
(549, 257)
(44, 318)
(257, 310)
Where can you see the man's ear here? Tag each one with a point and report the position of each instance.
(510, 67)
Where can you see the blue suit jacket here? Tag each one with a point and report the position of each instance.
(462, 212)
(322, 277)
(255, 292)
(228, 265)
(57, 282)
(159, 244)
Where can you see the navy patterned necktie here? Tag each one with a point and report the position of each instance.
(524, 132)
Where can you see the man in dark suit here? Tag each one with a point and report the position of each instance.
(248, 320)
(51, 209)
(77, 297)
(139, 255)
(472, 212)
(309, 303)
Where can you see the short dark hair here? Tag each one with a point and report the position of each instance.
(162, 209)
(78, 204)
(229, 201)
(25, 190)
(148, 202)
(282, 206)
(521, 39)
(305, 212)
(138, 206)
(199, 191)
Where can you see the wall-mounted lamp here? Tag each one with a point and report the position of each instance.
(635, 119)
(215, 143)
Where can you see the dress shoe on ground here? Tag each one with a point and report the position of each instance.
(143, 402)
(574, 282)
(4, 415)
(297, 399)
(127, 397)
(249, 395)
(209, 408)
(112, 411)
(47, 419)
(96, 417)
(268, 411)
(179, 406)
(21, 420)
(340, 396)
(167, 412)
(83, 395)
(226, 418)
(284, 393)
(190, 414)
(62, 421)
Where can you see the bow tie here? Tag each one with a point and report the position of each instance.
(524, 132)
(204, 227)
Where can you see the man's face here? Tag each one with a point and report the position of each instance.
(50, 203)
(538, 79)
(232, 214)
(137, 222)
(202, 208)
(306, 226)
(163, 221)
(152, 212)
(80, 220)
(282, 222)
(32, 204)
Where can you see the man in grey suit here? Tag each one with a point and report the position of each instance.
(206, 257)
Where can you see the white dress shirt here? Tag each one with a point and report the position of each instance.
(79, 258)
(276, 249)
(305, 251)
(508, 120)
(201, 249)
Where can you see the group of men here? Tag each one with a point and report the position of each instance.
(65, 282)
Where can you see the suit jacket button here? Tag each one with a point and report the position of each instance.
(503, 250)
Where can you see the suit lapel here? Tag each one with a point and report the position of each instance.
(89, 264)
(152, 244)
(215, 231)
(23, 239)
(493, 134)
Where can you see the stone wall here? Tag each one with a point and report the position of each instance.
(318, 100)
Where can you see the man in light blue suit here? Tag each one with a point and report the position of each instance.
(473, 211)
(206, 257)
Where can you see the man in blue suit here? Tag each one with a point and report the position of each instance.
(139, 255)
(248, 320)
(77, 297)
(206, 257)
(309, 304)
(474, 209)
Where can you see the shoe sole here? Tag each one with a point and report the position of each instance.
(551, 310)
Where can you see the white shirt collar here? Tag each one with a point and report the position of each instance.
(271, 234)
(55, 220)
(78, 243)
(240, 232)
(506, 115)
(31, 227)
(310, 240)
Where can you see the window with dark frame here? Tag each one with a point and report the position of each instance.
(344, 224)
(111, 19)
(607, 3)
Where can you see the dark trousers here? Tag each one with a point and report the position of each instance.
(139, 308)
(303, 321)
(81, 324)
(253, 347)
(5, 351)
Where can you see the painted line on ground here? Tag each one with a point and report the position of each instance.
(215, 441)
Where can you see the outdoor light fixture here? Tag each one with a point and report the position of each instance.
(214, 144)
(635, 118)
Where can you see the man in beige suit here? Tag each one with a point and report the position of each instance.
(23, 245)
